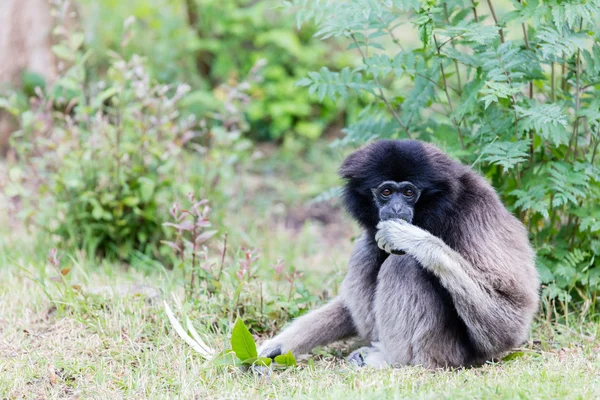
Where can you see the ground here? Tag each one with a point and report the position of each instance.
(106, 345)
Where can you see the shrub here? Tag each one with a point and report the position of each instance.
(513, 93)
(98, 161)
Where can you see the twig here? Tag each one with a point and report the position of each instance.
(552, 81)
(222, 258)
(193, 260)
(577, 100)
(454, 47)
(391, 33)
(596, 141)
(495, 19)
(563, 77)
(449, 41)
(460, 136)
(483, 152)
(526, 38)
(588, 86)
(475, 11)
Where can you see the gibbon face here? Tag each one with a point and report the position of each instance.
(399, 179)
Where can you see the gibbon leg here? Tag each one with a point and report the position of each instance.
(415, 317)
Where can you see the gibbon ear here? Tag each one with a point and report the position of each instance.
(354, 165)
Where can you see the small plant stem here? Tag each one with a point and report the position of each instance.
(291, 289)
(381, 95)
(574, 231)
(222, 258)
(552, 82)
(475, 11)
(119, 132)
(180, 243)
(531, 150)
(526, 39)
(563, 76)
(514, 102)
(458, 82)
(261, 297)
(391, 33)
(577, 103)
(552, 217)
(456, 125)
(518, 174)
(596, 141)
(193, 261)
(589, 85)
(491, 6)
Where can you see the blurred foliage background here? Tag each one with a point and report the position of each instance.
(207, 43)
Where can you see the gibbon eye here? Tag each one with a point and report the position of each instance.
(386, 192)
(408, 193)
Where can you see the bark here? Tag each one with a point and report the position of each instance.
(25, 45)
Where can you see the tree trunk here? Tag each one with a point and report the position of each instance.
(25, 45)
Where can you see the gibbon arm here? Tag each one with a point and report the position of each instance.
(495, 321)
(319, 327)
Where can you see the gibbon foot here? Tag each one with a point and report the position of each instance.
(370, 356)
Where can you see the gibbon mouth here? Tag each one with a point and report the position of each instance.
(404, 217)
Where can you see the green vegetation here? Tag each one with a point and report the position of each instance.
(209, 42)
(102, 343)
(189, 155)
(514, 94)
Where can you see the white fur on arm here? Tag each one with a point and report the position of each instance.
(432, 253)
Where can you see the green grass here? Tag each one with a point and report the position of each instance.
(56, 342)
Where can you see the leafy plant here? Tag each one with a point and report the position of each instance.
(243, 350)
(210, 42)
(232, 36)
(265, 297)
(97, 161)
(512, 92)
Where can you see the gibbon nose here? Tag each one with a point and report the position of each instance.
(401, 212)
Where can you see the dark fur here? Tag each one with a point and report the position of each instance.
(398, 161)
(458, 301)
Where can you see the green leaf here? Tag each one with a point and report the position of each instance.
(131, 201)
(242, 342)
(226, 357)
(104, 95)
(471, 32)
(31, 80)
(286, 359)
(507, 154)
(261, 361)
(63, 52)
(97, 213)
(147, 187)
(513, 356)
(469, 99)
(333, 84)
(547, 120)
(560, 43)
(76, 40)
(533, 199)
(568, 184)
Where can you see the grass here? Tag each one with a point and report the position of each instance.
(57, 343)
